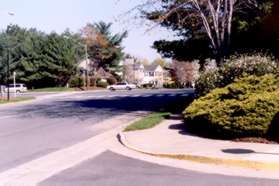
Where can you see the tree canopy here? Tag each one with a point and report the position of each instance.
(104, 47)
(39, 59)
(51, 59)
(210, 28)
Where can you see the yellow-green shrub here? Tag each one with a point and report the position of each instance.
(247, 107)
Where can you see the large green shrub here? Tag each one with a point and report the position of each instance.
(234, 68)
(76, 81)
(247, 107)
(102, 84)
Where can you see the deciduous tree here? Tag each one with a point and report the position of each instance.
(206, 23)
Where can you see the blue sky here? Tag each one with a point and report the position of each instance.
(57, 15)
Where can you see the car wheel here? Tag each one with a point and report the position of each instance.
(128, 88)
(111, 89)
(18, 91)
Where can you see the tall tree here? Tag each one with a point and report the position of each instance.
(39, 59)
(258, 32)
(185, 72)
(104, 48)
(207, 21)
(160, 61)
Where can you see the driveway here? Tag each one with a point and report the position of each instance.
(112, 169)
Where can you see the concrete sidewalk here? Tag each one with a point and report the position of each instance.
(169, 140)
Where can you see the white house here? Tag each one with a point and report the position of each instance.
(154, 74)
(140, 74)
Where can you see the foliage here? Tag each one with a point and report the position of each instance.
(247, 107)
(175, 85)
(102, 84)
(257, 33)
(147, 122)
(197, 48)
(111, 81)
(170, 85)
(39, 59)
(53, 89)
(160, 61)
(50, 60)
(104, 48)
(250, 27)
(236, 67)
(185, 72)
(76, 81)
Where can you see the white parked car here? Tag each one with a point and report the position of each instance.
(122, 86)
(18, 88)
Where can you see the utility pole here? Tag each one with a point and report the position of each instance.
(14, 77)
(8, 65)
(8, 75)
(86, 67)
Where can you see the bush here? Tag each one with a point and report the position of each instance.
(147, 85)
(173, 85)
(111, 81)
(235, 68)
(247, 107)
(76, 81)
(170, 85)
(102, 84)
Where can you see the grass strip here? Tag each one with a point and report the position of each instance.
(148, 122)
(14, 100)
(53, 89)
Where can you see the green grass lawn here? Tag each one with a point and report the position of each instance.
(14, 100)
(147, 122)
(53, 89)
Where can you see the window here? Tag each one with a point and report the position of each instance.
(151, 74)
(16, 85)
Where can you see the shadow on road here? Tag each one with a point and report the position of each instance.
(104, 107)
(246, 151)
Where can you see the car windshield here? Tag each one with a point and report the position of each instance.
(16, 85)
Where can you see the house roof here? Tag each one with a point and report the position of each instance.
(138, 66)
(151, 67)
(101, 73)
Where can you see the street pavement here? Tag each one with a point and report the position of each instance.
(34, 132)
(35, 129)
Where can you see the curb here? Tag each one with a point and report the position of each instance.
(256, 165)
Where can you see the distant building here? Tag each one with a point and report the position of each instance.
(85, 64)
(154, 74)
(139, 74)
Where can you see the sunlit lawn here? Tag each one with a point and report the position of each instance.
(14, 100)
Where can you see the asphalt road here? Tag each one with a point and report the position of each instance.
(33, 130)
(111, 169)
